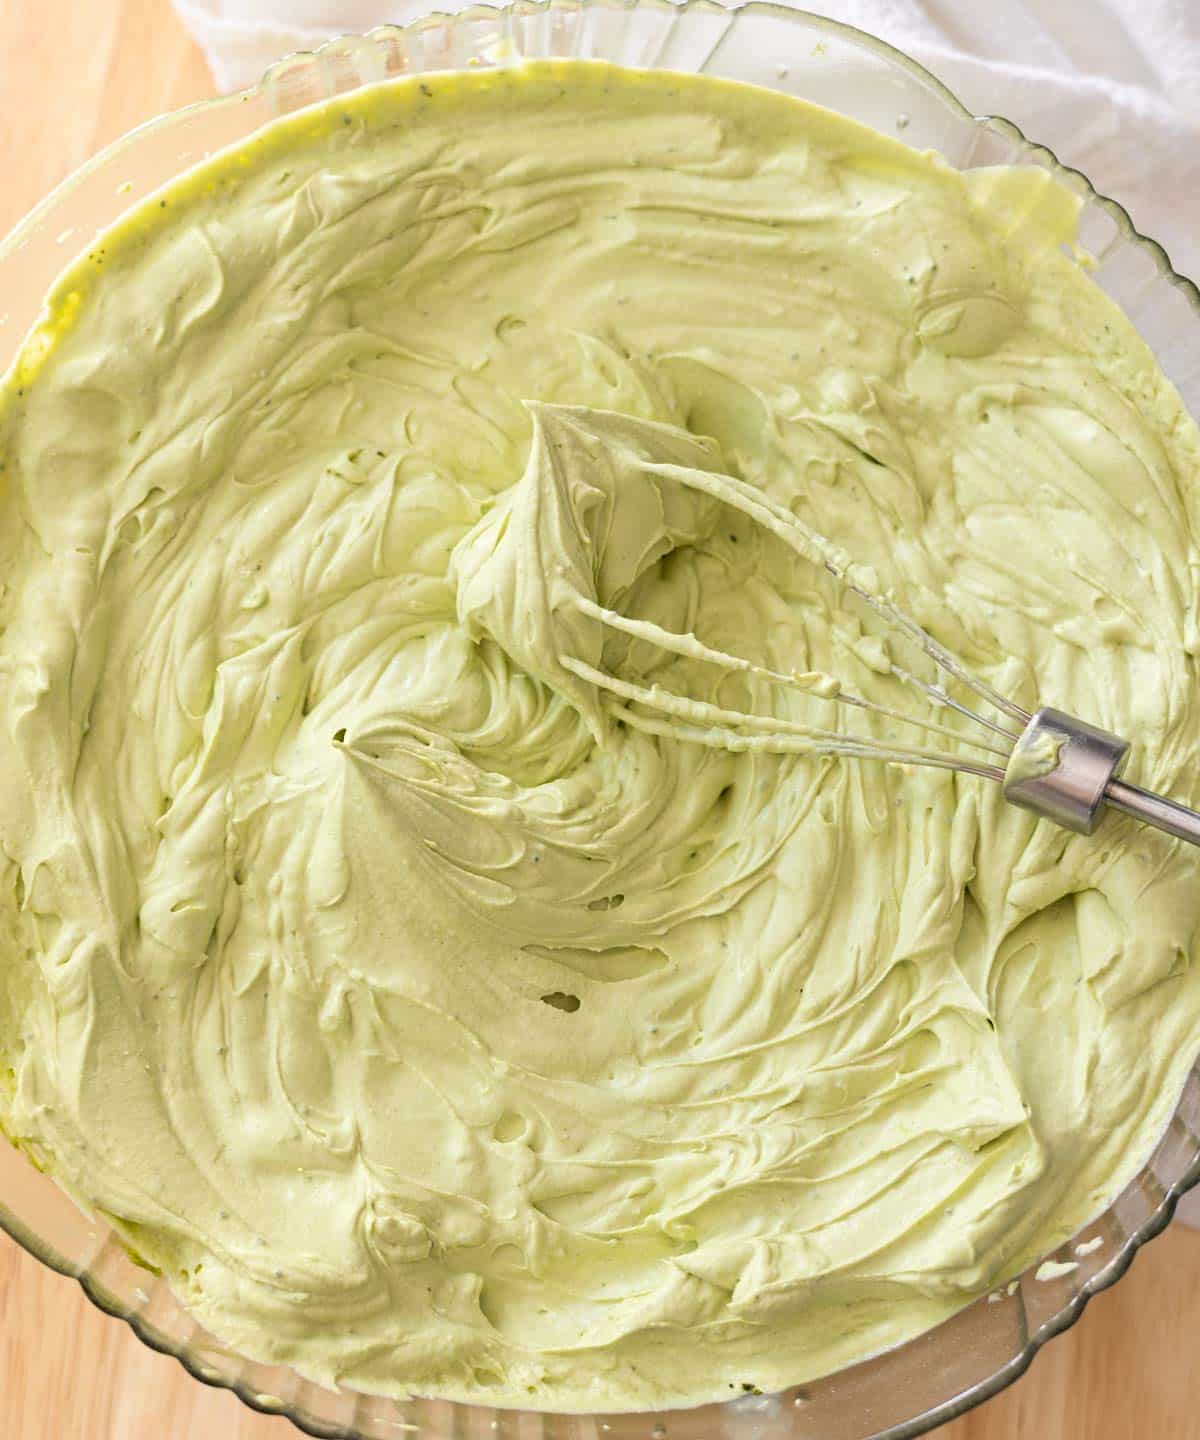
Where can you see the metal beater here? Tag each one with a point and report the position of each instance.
(1055, 765)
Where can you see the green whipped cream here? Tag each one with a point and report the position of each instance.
(435, 1011)
(1035, 756)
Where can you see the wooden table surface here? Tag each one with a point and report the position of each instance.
(74, 74)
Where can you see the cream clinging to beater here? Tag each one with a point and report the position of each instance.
(1054, 764)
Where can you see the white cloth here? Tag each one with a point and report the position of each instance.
(1112, 86)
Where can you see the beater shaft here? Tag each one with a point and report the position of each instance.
(1066, 770)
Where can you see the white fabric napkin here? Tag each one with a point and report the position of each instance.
(1112, 86)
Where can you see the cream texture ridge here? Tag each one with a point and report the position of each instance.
(434, 1007)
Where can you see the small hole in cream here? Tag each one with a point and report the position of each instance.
(562, 1001)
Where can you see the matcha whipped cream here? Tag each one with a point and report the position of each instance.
(432, 1012)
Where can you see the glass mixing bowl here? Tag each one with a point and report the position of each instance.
(938, 1376)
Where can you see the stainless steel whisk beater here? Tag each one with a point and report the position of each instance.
(1055, 765)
